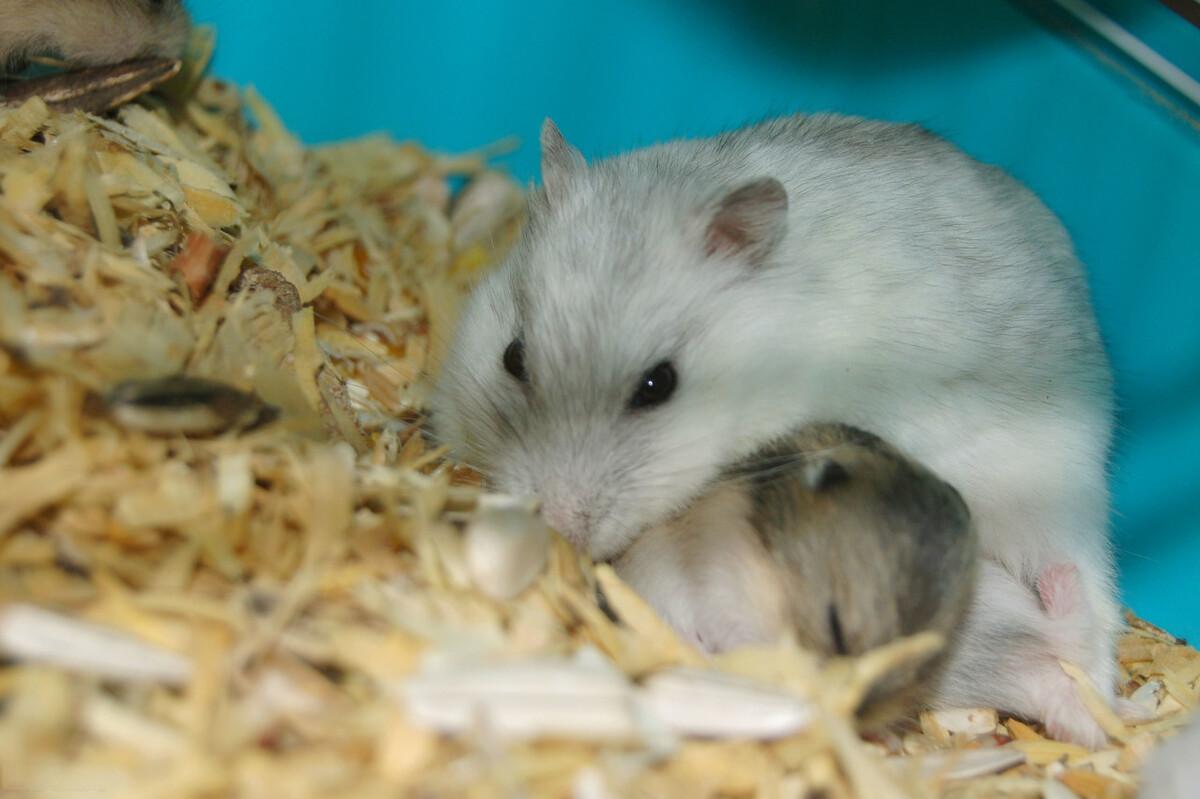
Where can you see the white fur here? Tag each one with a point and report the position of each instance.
(1173, 770)
(709, 576)
(917, 294)
(1009, 654)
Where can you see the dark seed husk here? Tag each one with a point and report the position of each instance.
(95, 89)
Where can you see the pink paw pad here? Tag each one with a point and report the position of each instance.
(1058, 590)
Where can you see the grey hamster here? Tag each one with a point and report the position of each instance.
(91, 32)
(853, 545)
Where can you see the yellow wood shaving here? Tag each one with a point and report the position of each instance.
(1100, 709)
(26, 490)
(633, 611)
(308, 359)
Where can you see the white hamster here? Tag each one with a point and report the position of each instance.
(669, 311)
(91, 32)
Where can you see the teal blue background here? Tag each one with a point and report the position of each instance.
(1121, 171)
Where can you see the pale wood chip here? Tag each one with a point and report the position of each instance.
(36, 635)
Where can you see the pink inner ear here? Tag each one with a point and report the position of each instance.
(749, 220)
(726, 235)
(1058, 589)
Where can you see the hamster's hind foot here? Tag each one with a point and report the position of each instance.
(1015, 637)
(1064, 714)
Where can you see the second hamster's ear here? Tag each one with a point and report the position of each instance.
(749, 221)
(823, 474)
(559, 160)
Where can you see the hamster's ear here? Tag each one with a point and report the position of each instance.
(749, 221)
(559, 160)
(822, 474)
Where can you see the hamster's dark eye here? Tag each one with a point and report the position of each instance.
(514, 360)
(654, 387)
